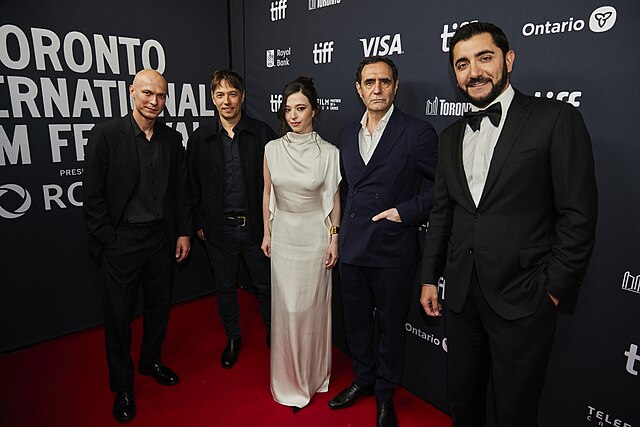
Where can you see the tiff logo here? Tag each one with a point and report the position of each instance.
(322, 52)
(569, 97)
(446, 34)
(278, 10)
(631, 283)
(275, 102)
(632, 358)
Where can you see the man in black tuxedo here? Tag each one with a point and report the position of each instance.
(225, 159)
(138, 217)
(384, 157)
(511, 231)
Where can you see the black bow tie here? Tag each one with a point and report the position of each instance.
(474, 118)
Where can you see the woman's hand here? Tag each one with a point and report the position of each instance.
(266, 246)
(331, 256)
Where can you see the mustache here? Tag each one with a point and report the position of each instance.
(477, 80)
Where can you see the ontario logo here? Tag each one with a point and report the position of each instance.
(602, 19)
(17, 197)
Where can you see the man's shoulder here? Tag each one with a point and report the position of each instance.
(256, 125)
(112, 125)
(167, 132)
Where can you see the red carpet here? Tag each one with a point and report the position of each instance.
(64, 382)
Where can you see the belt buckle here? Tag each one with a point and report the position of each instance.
(244, 220)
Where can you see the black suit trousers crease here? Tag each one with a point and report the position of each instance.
(140, 257)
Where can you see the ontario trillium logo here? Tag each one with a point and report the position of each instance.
(603, 19)
(24, 196)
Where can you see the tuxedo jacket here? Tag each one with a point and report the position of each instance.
(205, 159)
(405, 155)
(533, 229)
(111, 175)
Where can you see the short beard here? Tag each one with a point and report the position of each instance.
(496, 90)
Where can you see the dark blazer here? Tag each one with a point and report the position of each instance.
(111, 175)
(205, 159)
(406, 154)
(534, 227)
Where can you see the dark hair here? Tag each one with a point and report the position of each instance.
(232, 78)
(475, 28)
(375, 60)
(305, 86)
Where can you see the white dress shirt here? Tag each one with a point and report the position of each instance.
(368, 142)
(478, 146)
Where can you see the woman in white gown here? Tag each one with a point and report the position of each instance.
(301, 210)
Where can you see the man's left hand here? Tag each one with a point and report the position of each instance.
(183, 245)
(390, 214)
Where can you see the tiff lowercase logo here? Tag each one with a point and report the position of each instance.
(603, 19)
(274, 102)
(632, 358)
(25, 201)
(631, 283)
(382, 45)
(322, 52)
(278, 10)
(447, 34)
(569, 97)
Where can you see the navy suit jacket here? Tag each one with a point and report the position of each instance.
(533, 230)
(112, 173)
(405, 155)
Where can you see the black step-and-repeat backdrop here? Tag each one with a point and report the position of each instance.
(579, 51)
(65, 66)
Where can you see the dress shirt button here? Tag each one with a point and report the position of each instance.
(352, 215)
(377, 196)
(478, 216)
(355, 190)
(470, 250)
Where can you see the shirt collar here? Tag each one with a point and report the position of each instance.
(383, 121)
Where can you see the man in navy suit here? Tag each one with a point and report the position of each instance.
(384, 157)
(511, 231)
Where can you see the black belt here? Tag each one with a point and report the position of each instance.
(237, 220)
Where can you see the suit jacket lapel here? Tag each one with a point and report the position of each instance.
(393, 131)
(128, 143)
(516, 118)
(458, 165)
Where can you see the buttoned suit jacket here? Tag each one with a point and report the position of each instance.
(111, 175)
(533, 229)
(405, 155)
(205, 158)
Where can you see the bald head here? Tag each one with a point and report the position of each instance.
(149, 93)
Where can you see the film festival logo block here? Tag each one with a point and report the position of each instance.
(17, 197)
(278, 10)
(322, 52)
(317, 4)
(329, 104)
(631, 283)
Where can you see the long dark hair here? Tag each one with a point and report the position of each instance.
(305, 86)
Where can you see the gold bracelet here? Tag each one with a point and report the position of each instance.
(334, 229)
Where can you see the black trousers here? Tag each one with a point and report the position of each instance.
(513, 353)
(139, 257)
(224, 258)
(388, 291)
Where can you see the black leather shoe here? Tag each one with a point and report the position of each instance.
(162, 374)
(296, 409)
(349, 395)
(386, 415)
(231, 353)
(124, 407)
